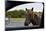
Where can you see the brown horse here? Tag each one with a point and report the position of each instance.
(31, 18)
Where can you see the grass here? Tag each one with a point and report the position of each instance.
(17, 19)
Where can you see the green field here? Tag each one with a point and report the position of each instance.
(17, 19)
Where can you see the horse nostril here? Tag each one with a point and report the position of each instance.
(25, 24)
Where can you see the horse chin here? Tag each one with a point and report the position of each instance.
(34, 23)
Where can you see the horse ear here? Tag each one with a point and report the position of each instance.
(32, 9)
(26, 9)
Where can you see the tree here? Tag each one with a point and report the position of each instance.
(16, 14)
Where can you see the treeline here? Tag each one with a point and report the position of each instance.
(19, 14)
(16, 14)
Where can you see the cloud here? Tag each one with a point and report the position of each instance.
(37, 7)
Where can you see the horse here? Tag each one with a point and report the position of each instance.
(31, 18)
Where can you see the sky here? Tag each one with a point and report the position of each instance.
(37, 7)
